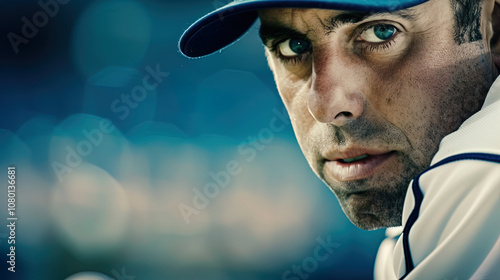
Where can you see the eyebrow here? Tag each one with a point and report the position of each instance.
(269, 32)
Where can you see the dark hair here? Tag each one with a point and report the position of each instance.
(467, 20)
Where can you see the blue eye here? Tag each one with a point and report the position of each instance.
(299, 46)
(378, 33)
(384, 31)
(294, 47)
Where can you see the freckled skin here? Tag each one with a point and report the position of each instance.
(403, 98)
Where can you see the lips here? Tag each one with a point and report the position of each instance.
(356, 164)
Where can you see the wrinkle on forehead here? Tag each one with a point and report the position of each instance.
(327, 26)
(301, 19)
(304, 20)
(307, 19)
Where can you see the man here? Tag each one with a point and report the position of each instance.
(378, 91)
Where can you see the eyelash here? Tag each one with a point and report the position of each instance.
(370, 47)
(380, 46)
(374, 47)
(287, 60)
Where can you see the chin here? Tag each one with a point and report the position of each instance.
(374, 210)
(372, 222)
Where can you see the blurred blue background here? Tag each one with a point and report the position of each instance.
(134, 161)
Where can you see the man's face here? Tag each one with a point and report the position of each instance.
(372, 95)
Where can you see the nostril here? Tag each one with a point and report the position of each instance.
(344, 114)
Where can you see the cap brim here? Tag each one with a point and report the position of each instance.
(226, 25)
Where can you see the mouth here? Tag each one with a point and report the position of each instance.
(360, 166)
(354, 159)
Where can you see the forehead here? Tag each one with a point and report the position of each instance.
(297, 16)
(313, 16)
(316, 23)
(290, 15)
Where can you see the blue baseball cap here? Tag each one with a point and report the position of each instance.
(227, 24)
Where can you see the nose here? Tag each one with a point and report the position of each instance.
(336, 93)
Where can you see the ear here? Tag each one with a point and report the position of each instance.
(495, 39)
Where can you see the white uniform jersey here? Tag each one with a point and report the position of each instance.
(451, 215)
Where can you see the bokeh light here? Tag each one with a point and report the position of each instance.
(196, 177)
(227, 102)
(89, 276)
(111, 32)
(119, 94)
(91, 210)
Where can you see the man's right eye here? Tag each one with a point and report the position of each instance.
(294, 47)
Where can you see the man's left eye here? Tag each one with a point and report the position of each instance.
(294, 47)
(378, 33)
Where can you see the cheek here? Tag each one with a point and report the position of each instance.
(428, 99)
(423, 106)
(410, 94)
(417, 98)
(294, 94)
